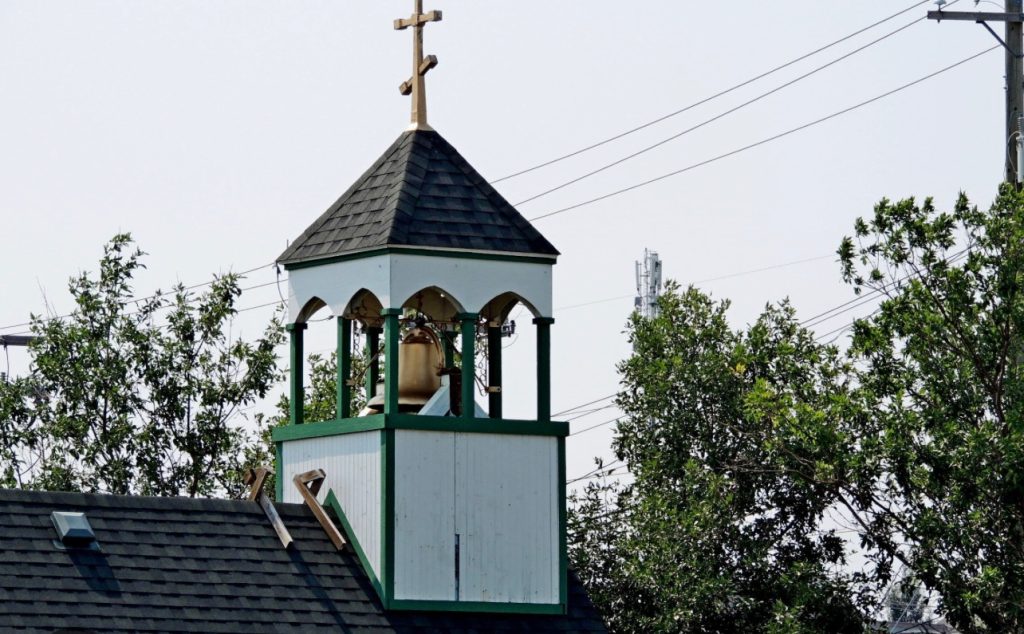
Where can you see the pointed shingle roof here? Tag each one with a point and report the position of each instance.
(419, 193)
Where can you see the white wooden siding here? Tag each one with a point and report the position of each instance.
(353, 464)
(507, 517)
(424, 515)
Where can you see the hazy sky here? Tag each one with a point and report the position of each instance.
(217, 130)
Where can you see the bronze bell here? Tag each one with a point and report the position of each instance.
(419, 359)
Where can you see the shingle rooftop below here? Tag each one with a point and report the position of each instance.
(187, 565)
(419, 193)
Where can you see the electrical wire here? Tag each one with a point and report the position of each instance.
(593, 427)
(721, 115)
(136, 300)
(712, 97)
(766, 140)
(572, 409)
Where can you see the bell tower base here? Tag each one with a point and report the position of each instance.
(444, 513)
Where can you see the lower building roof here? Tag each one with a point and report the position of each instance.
(202, 565)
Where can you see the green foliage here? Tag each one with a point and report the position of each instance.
(941, 480)
(726, 435)
(137, 396)
(744, 442)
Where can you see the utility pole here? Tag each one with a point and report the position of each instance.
(1013, 18)
(648, 284)
(1014, 93)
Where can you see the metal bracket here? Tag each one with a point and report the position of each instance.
(1000, 40)
(255, 480)
(309, 484)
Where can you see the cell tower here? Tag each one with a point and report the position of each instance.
(648, 284)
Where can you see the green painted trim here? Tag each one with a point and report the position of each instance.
(563, 532)
(278, 472)
(476, 606)
(343, 407)
(296, 390)
(391, 332)
(461, 255)
(332, 502)
(477, 425)
(329, 428)
(468, 364)
(415, 422)
(494, 370)
(387, 552)
(543, 367)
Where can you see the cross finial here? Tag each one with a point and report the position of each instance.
(420, 65)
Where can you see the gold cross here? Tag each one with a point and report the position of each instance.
(420, 65)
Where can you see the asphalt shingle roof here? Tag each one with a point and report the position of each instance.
(188, 565)
(419, 193)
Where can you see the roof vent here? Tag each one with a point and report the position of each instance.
(73, 530)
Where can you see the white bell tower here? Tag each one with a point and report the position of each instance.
(448, 505)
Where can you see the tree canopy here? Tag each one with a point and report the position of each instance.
(143, 396)
(780, 483)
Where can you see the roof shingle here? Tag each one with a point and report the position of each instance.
(190, 565)
(419, 193)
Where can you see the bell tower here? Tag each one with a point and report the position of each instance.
(448, 504)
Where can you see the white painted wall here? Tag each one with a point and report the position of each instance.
(499, 493)
(507, 516)
(394, 278)
(353, 466)
(424, 515)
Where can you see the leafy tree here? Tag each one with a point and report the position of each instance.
(137, 396)
(914, 434)
(721, 529)
(939, 483)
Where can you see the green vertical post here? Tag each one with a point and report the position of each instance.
(468, 321)
(544, 368)
(391, 359)
(344, 406)
(297, 392)
(373, 372)
(494, 371)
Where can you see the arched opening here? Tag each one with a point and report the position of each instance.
(501, 315)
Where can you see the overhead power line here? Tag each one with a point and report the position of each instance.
(766, 140)
(742, 84)
(722, 115)
(135, 300)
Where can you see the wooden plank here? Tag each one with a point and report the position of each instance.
(256, 479)
(315, 479)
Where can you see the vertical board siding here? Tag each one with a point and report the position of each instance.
(507, 516)
(424, 515)
(353, 465)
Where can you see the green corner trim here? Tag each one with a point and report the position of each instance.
(385, 312)
(544, 320)
(278, 472)
(477, 606)
(461, 255)
(332, 502)
(420, 423)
